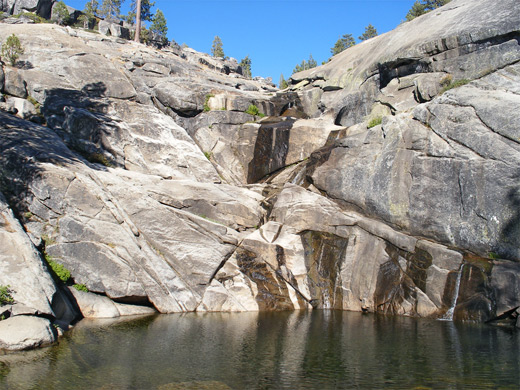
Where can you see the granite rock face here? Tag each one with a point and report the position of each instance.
(367, 185)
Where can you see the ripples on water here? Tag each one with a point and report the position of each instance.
(288, 350)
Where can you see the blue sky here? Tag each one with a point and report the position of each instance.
(276, 34)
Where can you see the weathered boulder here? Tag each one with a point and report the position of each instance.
(25, 332)
(23, 108)
(113, 28)
(26, 275)
(14, 84)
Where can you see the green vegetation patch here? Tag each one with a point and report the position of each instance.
(5, 295)
(80, 287)
(99, 158)
(455, 84)
(253, 110)
(59, 269)
(12, 49)
(375, 122)
(206, 106)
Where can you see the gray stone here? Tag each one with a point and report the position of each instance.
(14, 84)
(23, 107)
(25, 332)
(22, 268)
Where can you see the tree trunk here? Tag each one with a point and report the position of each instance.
(138, 22)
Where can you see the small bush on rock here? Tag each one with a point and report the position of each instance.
(455, 84)
(253, 110)
(5, 296)
(59, 269)
(375, 122)
(206, 105)
(80, 287)
(11, 49)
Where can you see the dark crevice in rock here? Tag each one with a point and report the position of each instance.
(270, 152)
(133, 300)
(219, 267)
(401, 68)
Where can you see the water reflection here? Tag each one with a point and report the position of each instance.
(288, 350)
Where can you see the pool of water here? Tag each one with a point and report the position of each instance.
(287, 350)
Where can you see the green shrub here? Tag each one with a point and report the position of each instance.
(5, 296)
(253, 110)
(455, 84)
(11, 49)
(80, 287)
(375, 122)
(59, 269)
(208, 155)
(206, 106)
(99, 158)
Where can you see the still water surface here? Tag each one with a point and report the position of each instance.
(288, 350)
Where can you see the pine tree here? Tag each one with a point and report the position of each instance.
(60, 13)
(416, 10)
(216, 49)
(430, 5)
(159, 26)
(12, 48)
(90, 12)
(111, 9)
(91, 8)
(311, 63)
(421, 7)
(282, 84)
(305, 65)
(246, 67)
(370, 32)
(146, 11)
(342, 44)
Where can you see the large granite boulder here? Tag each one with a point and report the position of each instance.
(25, 332)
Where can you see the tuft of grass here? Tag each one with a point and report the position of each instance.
(80, 287)
(208, 155)
(206, 106)
(99, 158)
(253, 110)
(455, 84)
(375, 122)
(5, 295)
(493, 256)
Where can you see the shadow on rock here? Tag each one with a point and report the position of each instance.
(79, 118)
(510, 233)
